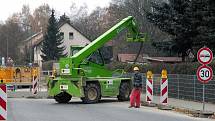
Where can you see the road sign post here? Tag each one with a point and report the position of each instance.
(203, 97)
(204, 73)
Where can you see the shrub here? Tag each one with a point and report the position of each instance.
(189, 68)
(48, 65)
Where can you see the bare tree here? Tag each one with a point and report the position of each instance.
(40, 18)
(11, 35)
(78, 12)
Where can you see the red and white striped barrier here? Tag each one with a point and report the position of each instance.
(149, 87)
(149, 90)
(164, 88)
(35, 84)
(3, 102)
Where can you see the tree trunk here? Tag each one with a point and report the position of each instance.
(183, 56)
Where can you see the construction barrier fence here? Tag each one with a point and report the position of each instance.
(18, 75)
(186, 87)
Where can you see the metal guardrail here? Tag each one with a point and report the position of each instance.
(184, 87)
(46, 72)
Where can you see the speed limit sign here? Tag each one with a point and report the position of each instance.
(204, 74)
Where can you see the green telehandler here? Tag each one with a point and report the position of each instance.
(84, 74)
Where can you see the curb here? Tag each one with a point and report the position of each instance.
(25, 94)
(159, 106)
(196, 113)
(190, 112)
(148, 105)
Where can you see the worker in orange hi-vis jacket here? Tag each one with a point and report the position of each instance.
(136, 91)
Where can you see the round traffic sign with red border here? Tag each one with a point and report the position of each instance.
(205, 55)
(204, 73)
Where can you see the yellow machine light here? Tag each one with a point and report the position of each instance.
(34, 72)
(54, 72)
(136, 68)
(26, 69)
(149, 74)
(2, 81)
(164, 73)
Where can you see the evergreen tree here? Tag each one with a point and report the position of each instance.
(174, 18)
(190, 22)
(52, 48)
(203, 21)
(211, 24)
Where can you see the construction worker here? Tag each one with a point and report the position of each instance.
(136, 91)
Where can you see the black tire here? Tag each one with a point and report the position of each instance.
(124, 91)
(92, 93)
(63, 97)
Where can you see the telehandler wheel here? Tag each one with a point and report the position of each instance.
(92, 93)
(124, 91)
(63, 97)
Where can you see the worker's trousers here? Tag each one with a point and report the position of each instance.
(135, 97)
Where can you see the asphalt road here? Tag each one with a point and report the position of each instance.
(21, 109)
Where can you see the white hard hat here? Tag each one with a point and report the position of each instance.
(136, 69)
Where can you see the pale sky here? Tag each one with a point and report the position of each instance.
(8, 7)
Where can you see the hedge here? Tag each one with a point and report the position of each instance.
(189, 68)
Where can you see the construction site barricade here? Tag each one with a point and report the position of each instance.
(3, 102)
(149, 87)
(18, 75)
(164, 88)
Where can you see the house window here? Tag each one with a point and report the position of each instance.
(71, 35)
(61, 35)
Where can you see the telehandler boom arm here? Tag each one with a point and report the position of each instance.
(128, 22)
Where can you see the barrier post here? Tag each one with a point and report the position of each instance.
(164, 88)
(149, 87)
(35, 81)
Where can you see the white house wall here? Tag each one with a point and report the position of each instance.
(37, 57)
(78, 38)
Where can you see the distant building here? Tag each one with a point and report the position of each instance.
(71, 37)
(30, 41)
(163, 59)
(144, 58)
(131, 58)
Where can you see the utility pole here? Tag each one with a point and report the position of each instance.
(7, 47)
(31, 53)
